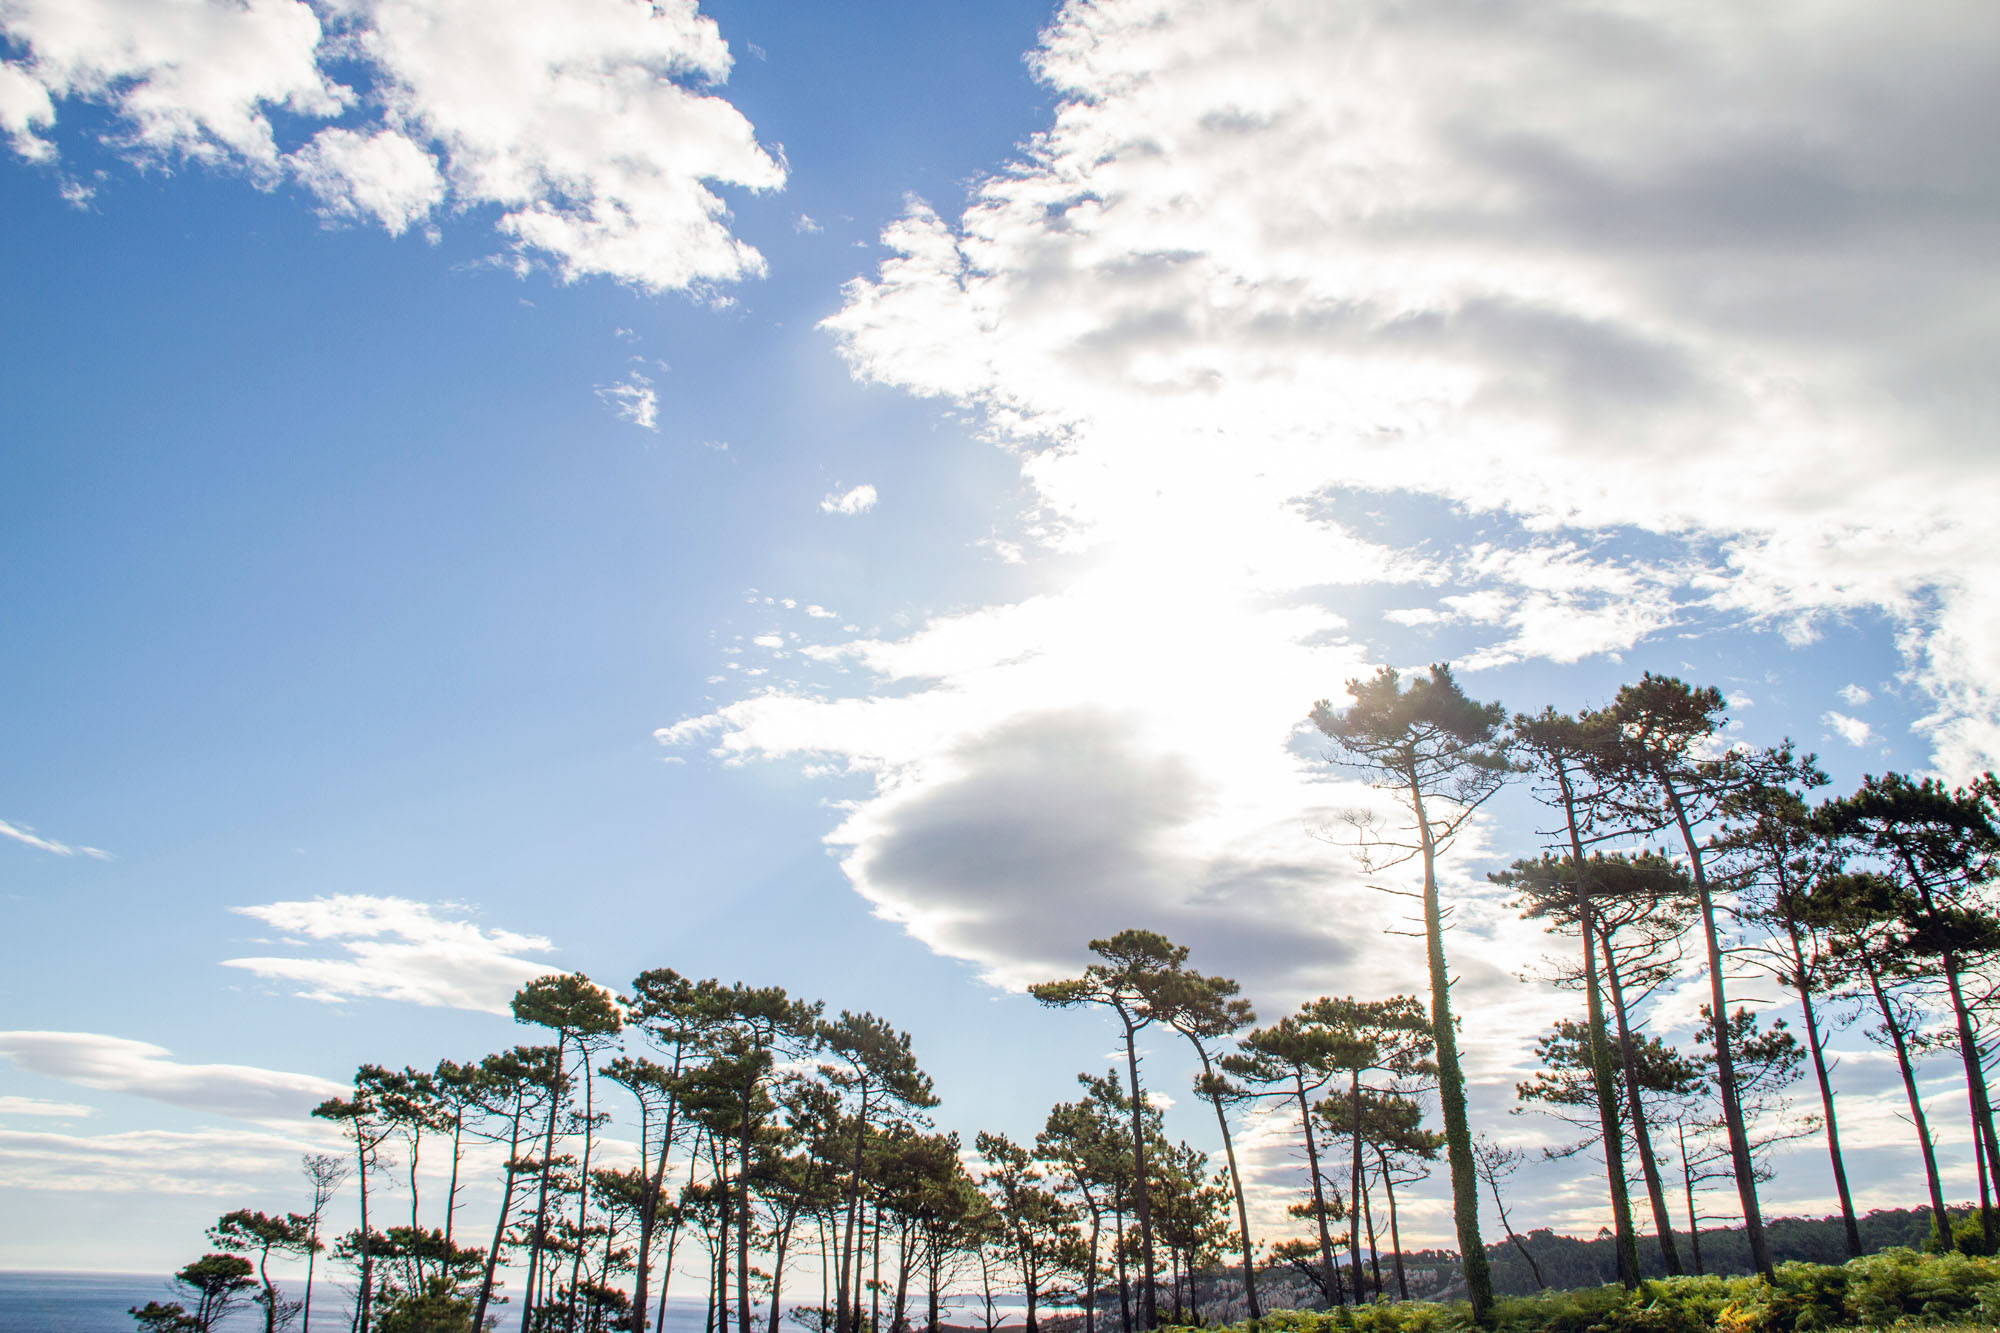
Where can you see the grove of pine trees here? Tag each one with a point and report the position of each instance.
(789, 1158)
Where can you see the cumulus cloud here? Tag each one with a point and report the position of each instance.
(119, 1064)
(384, 175)
(25, 835)
(634, 400)
(397, 949)
(858, 500)
(594, 130)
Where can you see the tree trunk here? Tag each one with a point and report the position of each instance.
(1603, 1081)
(1374, 1250)
(1635, 1107)
(1985, 1148)
(1451, 1081)
(1395, 1235)
(536, 1237)
(1319, 1194)
(1124, 1281)
(506, 1206)
(1814, 1044)
(361, 1153)
(743, 1217)
(902, 1282)
(1725, 1060)
(1687, 1179)
(843, 1312)
(583, 1187)
(649, 1207)
(1354, 1188)
(1940, 1219)
(1148, 1297)
(1236, 1188)
(784, 1240)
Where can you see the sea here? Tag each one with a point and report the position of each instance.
(99, 1303)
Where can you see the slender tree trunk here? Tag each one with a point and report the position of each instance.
(1090, 1283)
(673, 1240)
(1687, 1180)
(540, 1232)
(1740, 1163)
(1235, 1187)
(1940, 1219)
(932, 1313)
(1603, 1081)
(583, 1186)
(1148, 1306)
(1493, 1183)
(1319, 1194)
(897, 1311)
(306, 1312)
(1968, 1044)
(1815, 1045)
(1635, 1107)
(1354, 1187)
(1395, 1235)
(367, 1237)
(1451, 1080)
(875, 1275)
(843, 1311)
(506, 1206)
(1124, 1280)
(743, 1218)
(784, 1240)
(1374, 1250)
(451, 1195)
(649, 1207)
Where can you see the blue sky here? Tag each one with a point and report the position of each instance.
(881, 509)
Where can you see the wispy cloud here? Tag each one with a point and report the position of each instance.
(858, 500)
(36, 1106)
(225, 1163)
(25, 835)
(119, 1064)
(398, 949)
(633, 399)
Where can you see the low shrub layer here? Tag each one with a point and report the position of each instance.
(1875, 1291)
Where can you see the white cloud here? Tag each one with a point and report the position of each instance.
(805, 225)
(634, 400)
(397, 949)
(384, 175)
(21, 833)
(118, 1064)
(1854, 695)
(859, 500)
(1605, 269)
(36, 1106)
(189, 77)
(1606, 318)
(226, 1163)
(592, 128)
(1851, 729)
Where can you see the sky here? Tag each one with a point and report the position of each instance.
(864, 498)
